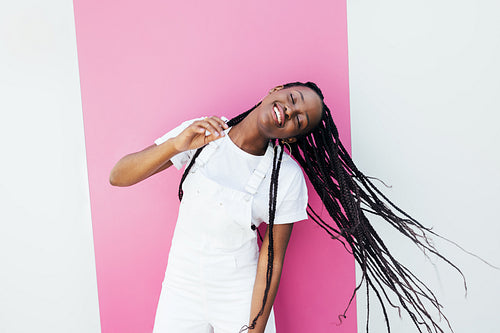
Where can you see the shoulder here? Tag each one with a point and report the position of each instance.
(290, 167)
(292, 193)
(291, 180)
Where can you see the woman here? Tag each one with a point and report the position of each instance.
(237, 177)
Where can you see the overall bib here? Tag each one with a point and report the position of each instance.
(212, 262)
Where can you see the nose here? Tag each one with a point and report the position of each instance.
(290, 111)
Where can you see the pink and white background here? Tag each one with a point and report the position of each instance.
(414, 85)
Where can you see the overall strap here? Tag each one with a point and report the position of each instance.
(205, 155)
(260, 172)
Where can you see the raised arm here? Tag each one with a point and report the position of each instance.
(281, 235)
(135, 167)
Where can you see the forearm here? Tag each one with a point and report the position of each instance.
(135, 167)
(138, 166)
(259, 290)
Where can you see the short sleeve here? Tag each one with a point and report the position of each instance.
(180, 159)
(292, 206)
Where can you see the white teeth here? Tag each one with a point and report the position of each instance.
(278, 114)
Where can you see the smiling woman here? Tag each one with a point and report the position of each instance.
(238, 176)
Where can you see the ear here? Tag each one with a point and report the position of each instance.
(289, 140)
(276, 89)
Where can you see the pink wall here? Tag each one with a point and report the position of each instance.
(145, 67)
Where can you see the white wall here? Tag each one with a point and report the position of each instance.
(424, 84)
(47, 275)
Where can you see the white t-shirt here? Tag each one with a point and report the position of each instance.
(232, 167)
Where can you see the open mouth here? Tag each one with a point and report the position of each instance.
(279, 114)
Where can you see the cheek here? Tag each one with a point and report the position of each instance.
(293, 131)
(316, 119)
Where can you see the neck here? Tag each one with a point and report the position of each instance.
(246, 136)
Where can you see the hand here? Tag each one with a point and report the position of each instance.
(196, 136)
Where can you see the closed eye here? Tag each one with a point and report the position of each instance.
(293, 100)
(298, 122)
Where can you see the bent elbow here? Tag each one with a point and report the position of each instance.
(112, 180)
(115, 180)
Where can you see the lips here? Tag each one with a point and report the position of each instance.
(279, 115)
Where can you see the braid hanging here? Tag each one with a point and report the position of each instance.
(347, 194)
(273, 194)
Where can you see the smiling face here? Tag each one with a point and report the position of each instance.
(288, 112)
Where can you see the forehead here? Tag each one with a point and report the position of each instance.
(310, 96)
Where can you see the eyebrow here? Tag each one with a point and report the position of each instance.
(302, 96)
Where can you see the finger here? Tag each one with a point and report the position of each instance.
(222, 121)
(207, 125)
(218, 124)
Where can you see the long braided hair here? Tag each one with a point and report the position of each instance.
(347, 194)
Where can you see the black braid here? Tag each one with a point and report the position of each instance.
(186, 172)
(347, 194)
(273, 194)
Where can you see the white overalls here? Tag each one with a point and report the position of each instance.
(212, 263)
